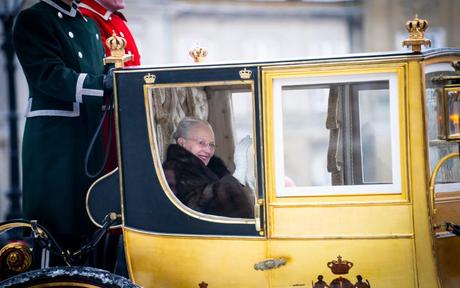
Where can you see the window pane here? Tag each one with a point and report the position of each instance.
(337, 134)
(200, 160)
(375, 132)
(305, 135)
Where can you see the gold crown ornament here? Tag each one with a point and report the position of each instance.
(340, 266)
(416, 38)
(198, 53)
(117, 45)
(150, 78)
(245, 74)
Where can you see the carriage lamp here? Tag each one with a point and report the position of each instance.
(452, 106)
(449, 103)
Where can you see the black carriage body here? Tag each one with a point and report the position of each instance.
(145, 205)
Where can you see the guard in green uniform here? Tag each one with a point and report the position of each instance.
(61, 54)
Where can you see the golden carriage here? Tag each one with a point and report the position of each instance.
(351, 167)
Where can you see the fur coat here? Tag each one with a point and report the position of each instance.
(208, 189)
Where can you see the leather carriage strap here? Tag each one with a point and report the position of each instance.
(108, 112)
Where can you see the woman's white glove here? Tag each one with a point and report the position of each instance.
(240, 158)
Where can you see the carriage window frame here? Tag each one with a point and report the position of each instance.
(154, 150)
(328, 190)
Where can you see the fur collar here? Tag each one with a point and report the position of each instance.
(177, 153)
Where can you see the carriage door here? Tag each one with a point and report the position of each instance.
(172, 236)
(443, 136)
(333, 161)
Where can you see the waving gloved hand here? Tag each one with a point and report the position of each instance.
(240, 159)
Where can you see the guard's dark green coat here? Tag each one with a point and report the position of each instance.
(61, 55)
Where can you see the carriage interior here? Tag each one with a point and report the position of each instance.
(227, 107)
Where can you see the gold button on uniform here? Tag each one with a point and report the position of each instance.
(70, 34)
(80, 54)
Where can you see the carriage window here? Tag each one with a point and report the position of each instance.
(448, 178)
(338, 136)
(228, 109)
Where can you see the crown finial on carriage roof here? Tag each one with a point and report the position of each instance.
(198, 53)
(416, 28)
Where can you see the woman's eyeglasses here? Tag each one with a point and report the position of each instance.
(203, 143)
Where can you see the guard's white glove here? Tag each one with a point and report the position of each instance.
(240, 158)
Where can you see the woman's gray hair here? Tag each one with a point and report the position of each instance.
(184, 126)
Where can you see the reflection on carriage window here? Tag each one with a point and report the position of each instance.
(337, 134)
(208, 164)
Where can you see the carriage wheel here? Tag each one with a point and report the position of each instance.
(86, 277)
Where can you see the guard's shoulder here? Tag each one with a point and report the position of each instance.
(31, 22)
(38, 12)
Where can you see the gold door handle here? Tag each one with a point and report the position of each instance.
(269, 264)
(433, 178)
